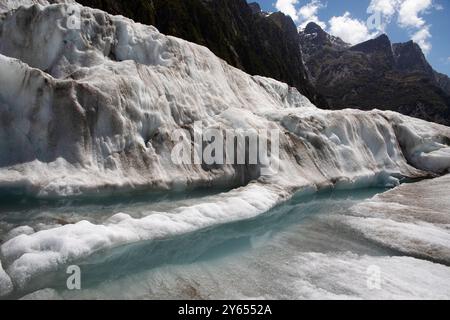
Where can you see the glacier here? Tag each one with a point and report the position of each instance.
(91, 112)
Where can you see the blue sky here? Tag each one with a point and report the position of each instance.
(425, 21)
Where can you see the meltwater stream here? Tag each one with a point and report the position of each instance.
(295, 250)
(291, 220)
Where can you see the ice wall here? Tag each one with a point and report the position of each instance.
(91, 108)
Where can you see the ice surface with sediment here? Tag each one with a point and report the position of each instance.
(91, 111)
(412, 219)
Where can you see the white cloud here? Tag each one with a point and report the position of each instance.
(303, 15)
(422, 38)
(410, 16)
(288, 8)
(438, 6)
(308, 13)
(387, 7)
(410, 11)
(349, 29)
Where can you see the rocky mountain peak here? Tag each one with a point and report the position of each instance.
(409, 57)
(376, 74)
(255, 7)
(313, 33)
(314, 38)
(312, 28)
(285, 23)
(381, 43)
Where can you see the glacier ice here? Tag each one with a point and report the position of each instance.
(44, 294)
(6, 285)
(91, 111)
(412, 219)
(8, 5)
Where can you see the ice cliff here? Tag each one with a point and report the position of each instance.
(92, 110)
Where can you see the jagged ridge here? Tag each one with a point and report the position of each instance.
(376, 74)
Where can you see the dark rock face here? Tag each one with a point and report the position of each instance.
(409, 57)
(241, 34)
(443, 81)
(379, 44)
(317, 39)
(375, 74)
(256, 8)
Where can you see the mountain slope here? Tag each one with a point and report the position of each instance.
(376, 74)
